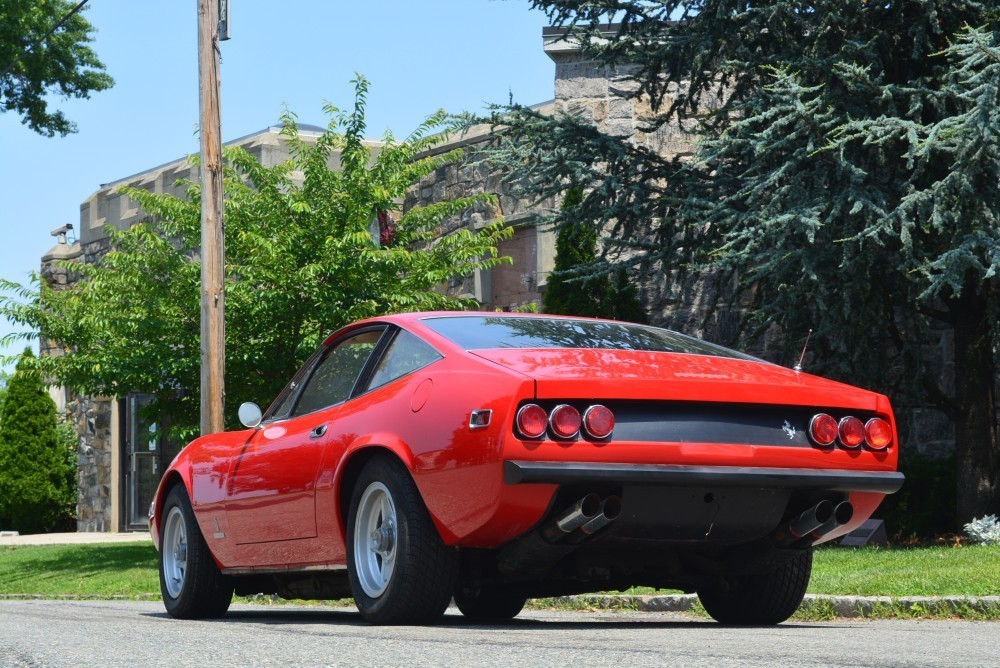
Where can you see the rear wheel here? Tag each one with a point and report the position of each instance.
(191, 584)
(764, 599)
(401, 572)
(489, 603)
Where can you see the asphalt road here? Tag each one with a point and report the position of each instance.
(118, 633)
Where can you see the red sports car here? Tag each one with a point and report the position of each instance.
(492, 458)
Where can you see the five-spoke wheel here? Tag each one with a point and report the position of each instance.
(375, 539)
(401, 572)
(191, 584)
(174, 548)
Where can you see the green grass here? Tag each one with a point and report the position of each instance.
(129, 570)
(973, 570)
(86, 571)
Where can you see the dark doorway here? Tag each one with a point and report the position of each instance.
(146, 453)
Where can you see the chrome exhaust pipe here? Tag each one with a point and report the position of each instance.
(537, 551)
(580, 514)
(610, 509)
(842, 514)
(804, 524)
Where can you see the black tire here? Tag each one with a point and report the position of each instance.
(765, 599)
(409, 579)
(489, 603)
(191, 584)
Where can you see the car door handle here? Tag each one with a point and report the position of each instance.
(318, 431)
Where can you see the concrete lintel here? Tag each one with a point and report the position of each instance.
(63, 252)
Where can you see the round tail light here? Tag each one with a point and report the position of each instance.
(852, 432)
(823, 429)
(878, 433)
(598, 421)
(565, 421)
(532, 420)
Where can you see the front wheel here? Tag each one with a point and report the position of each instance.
(191, 584)
(401, 572)
(764, 599)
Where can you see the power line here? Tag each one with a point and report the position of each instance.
(43, 38)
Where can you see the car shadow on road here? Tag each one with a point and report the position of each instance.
(279, 616)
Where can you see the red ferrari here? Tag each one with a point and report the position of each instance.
(490, 458)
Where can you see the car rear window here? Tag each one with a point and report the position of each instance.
(486, 332)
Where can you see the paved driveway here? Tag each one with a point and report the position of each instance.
(110, 633)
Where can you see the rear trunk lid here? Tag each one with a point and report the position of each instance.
(577, 373)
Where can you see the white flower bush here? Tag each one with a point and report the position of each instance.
(984, 530)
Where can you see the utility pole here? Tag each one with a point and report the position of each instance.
(213, 333)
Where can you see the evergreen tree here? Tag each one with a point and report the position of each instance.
(846, 179)
(37, 472)
(579, 284)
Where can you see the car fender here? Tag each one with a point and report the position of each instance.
(350, 464)
(203, 468)
(423, 470)
(173, 476)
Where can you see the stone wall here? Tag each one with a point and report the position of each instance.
(531, 248)
(92, 416)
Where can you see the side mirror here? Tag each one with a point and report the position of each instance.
(250, 414)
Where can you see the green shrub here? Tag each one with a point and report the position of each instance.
(37, 463)
(925, 506)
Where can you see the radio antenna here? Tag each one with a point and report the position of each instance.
(798, 367)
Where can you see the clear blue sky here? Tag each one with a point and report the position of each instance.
(419, 55)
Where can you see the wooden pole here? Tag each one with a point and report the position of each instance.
(213, 339)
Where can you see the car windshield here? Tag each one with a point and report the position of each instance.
(485, 332)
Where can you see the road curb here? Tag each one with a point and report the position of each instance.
(849, 607)
(78, 597)
(837, 606)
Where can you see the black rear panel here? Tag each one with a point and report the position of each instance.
(678, 422)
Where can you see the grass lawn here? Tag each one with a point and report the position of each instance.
(973, 570)
(87, 571)
(129, 569)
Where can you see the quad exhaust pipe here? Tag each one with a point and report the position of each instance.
(536, 552)
(813, 524)
(802, 532)
(580, 514)
(843, 512)
(610, 509)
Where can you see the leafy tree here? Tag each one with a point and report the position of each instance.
(845, 180)
(578, 285)
(60, 64)
(37, 470)
(4, 379)
(304, 256)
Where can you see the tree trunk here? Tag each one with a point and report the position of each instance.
(976, 447)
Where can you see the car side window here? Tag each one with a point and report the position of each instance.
(407, 353)
(338, 370)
